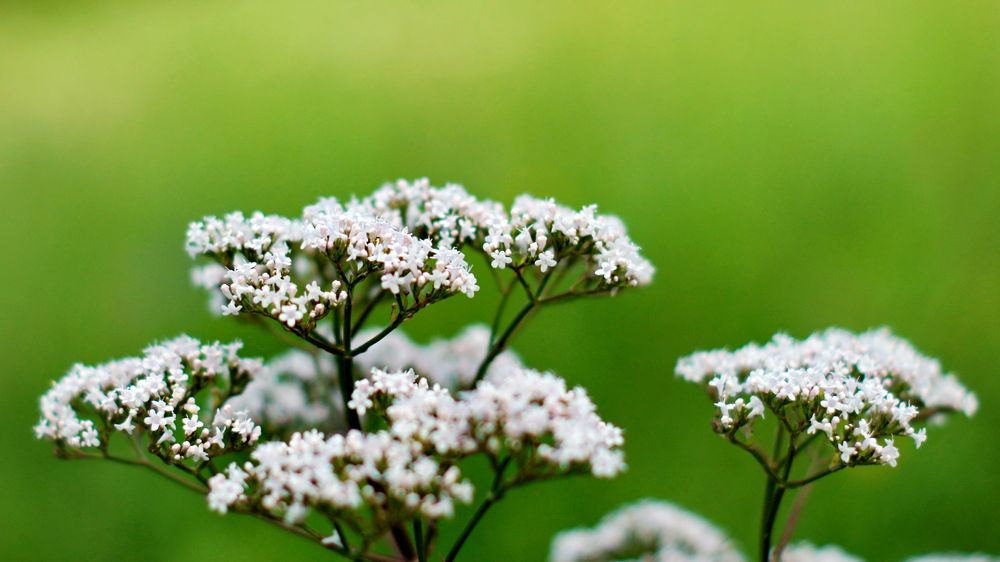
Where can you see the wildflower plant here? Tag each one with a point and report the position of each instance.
(836, 399)
(356, 437)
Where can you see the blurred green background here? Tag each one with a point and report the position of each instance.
(786, 166)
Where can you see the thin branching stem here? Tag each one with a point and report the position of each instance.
(500, 344)
(793, 519)
(418, 537)
(495, 494)
(776, 491)
(177, 479)
(561, 297)
(367, 310)
(320, 342)
(524, 283)
(346, 364)
(758, 455)
(810, 479)
(498, 317)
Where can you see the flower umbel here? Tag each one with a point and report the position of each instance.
(155, 396)
(356, 437)
(859, 392)
(854, 393)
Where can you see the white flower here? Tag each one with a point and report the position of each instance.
(648, 530)
(158, 417)
(546, 260)
(888, 454)
(292, 390)
(501, 259)
(805, 552)
(225, 489)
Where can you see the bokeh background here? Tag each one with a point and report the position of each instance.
(787, 166)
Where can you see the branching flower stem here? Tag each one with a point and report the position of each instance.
(346, 363)
(778, 482)
(496, 493)
(177, 479)
(777, 492)
(498, 343)
(418, 537)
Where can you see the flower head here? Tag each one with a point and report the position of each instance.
(155, 395)
(297, 270)
(857, 391)
(648, 530)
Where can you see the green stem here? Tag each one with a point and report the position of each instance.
(418, 536)
(501, 343)
(496, 494)
(504, 297)
(774, 493)
(814, 477)
(402, 541)
(346, 365)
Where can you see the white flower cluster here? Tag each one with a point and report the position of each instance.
(524, 410)
(806, 552)
(343, 473)
(858, 390)
(543, 233)
(329, 245)
(531, 416)
(537, 234)
(294, 389)
(408, 468)
(449, 215)
(450, 362)
(954, 557)
(154, 394)
(253, 269)
(648, 531)
(370, 242)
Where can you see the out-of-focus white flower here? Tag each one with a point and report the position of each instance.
(954, 557)
(858, 390)
(806, 552)
(452, 363)
(648, 531)
(296, 389)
